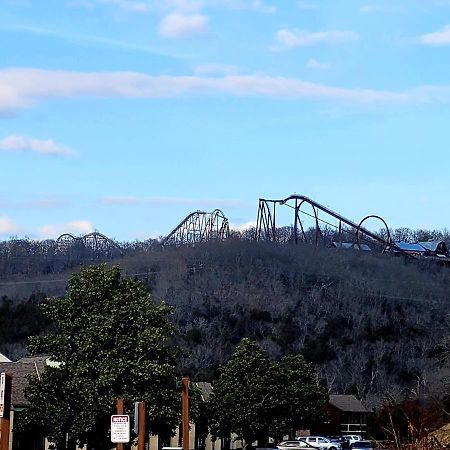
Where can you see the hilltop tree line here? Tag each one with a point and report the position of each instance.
(24, 258)
(372, 325)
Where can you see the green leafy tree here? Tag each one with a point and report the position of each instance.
(255, 397)
(301, 396)
(243, 399)
(110, 340)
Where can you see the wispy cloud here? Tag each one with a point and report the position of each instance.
(317, 65)
(302, 4)
(171, 201)
(42, 202)
(258, 5)
(8, 226)
(441, 37)
(133, 6)
(24, 88)
(49, 147)
(292, 38)
(373, 8)
(76, 227)
(243, 226)
(129, 5)
(216, 69)
(88, 40)
(178, 25)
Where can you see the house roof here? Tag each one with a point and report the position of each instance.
(205, 388)
(433, 245)
(408, 247)
(19, 371)
(348, 403)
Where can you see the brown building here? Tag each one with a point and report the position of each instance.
(346, 415)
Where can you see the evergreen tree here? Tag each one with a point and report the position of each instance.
(111, 340)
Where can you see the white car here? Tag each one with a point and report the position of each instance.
(352, 438)
(295, 445)
(321, 442)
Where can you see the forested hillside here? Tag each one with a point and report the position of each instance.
(374, 325)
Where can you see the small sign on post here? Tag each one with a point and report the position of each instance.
(2, 393)
(120, 429)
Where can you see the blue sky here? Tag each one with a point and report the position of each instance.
(126, 115)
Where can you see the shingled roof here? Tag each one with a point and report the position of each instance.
(347, 403)
(19, 371)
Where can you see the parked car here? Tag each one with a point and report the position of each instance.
(340, 440)
(321, 442)
(295, 445)
(363, 445)
(351, 438)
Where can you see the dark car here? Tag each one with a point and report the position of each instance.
(339, 440)
(363, 445)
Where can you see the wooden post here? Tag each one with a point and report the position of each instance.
(141, 426)
(119, 413)
(185, 411)
(5, 409)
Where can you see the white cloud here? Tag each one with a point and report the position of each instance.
(287, 38)
(441, 37)
(258, 5)
(15, 143)
(373, 8)
(178, 25)
(42, 202)
(24, 88)
(183, 5)
(243, 226)
(132, 6)
(306, 5)
(169, 201)
(8, 226)
(216, 69)
(317, 65)
(76, 227)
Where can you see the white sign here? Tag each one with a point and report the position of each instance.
(2, 393)
(120, 429)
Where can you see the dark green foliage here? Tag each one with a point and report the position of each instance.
(256, 397)
(111, 340)
(18, 321)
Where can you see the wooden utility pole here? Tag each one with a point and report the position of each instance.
(5, 409)
(119, 413)
(185, 411)
(141, 426)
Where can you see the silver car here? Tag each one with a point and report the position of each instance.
(295, 445)
(321, 442)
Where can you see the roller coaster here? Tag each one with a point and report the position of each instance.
(324, 226)
(309, 222)
(93, 245)
(199, 226)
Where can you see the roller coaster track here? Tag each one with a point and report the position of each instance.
(343, 229)
(95, 245)
(199, 226)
